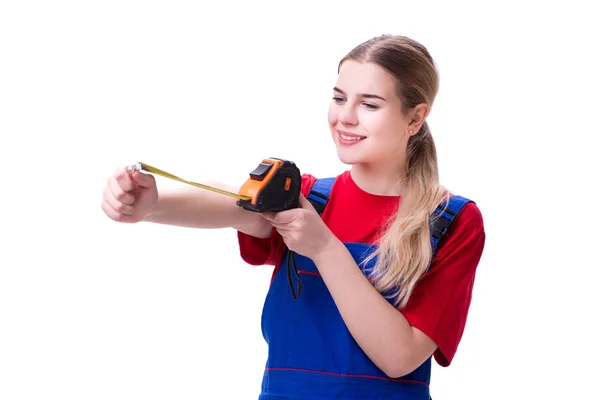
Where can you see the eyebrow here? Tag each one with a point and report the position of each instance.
(365, 95)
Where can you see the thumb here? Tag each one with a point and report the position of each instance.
(270, 216)
(143, 180)
(304, 203)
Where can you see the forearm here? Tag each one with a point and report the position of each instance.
(199, 208)
(379, 328)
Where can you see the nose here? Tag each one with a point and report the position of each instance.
(348, 115)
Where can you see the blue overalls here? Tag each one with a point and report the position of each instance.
(311, 353)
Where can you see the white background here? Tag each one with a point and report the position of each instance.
(92, 309)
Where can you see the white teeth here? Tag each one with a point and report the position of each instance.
(351, 137)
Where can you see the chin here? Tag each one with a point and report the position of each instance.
(347, 162)
(348, 155)
(348, 159)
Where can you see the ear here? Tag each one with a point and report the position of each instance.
(417, 117)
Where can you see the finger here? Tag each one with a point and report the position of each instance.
(116, 204)
(143, 180)
(124, 180)
(113, 214)
(283, 227)
(118, 193)
(285, 234)
(285, 217)
(268, 215)
(276, 218)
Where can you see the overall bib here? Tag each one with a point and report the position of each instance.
(311, 353)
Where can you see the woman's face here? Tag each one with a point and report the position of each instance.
(365, 117)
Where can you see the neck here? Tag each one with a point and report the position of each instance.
(377, 180)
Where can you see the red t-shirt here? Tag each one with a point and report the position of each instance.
(440, 302)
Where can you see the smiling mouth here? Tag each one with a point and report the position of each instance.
(351, 137)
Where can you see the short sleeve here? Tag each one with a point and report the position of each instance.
(268, 251)
(440, 302)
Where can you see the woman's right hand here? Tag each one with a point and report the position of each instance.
(129, 197)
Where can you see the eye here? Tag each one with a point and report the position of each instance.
(338, 100)
(371, 106)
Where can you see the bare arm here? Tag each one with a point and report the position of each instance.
(134, 197)
(379, 328)
(198, 208)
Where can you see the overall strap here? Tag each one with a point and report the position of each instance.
(442, 218)
(319, 194)
(318, 197)
(440, 221)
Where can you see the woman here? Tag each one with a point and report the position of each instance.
(378, 303)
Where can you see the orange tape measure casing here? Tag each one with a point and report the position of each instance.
(274, 185)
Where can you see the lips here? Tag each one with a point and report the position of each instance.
(349, 138)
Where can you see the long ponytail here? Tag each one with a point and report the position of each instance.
(404, 250)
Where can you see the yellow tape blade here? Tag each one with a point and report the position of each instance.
(160, 172)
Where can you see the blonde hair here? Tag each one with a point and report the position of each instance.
(404, 249)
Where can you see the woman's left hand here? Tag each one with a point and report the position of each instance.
(302, 229)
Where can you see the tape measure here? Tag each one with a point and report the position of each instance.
(273, 186)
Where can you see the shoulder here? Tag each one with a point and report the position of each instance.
(309, 180)
(470, 216)
(466, 237)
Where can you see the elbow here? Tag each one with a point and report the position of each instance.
(406, 358)
(397, 371)
(396, 365)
